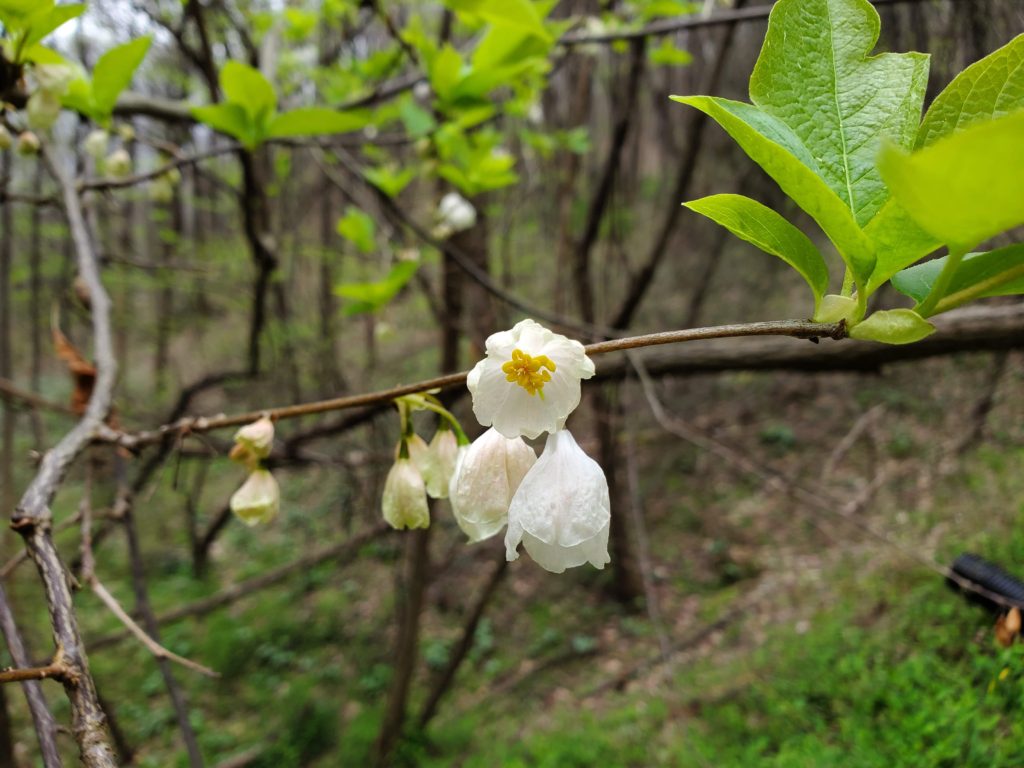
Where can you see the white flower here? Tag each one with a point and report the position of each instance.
(442, 453)
(454, 214)
(96, 143)
(53, 78)
(529, 382)
(253, 442)
(258, 500)
(42, 109)
(118, 163)
(487, 475)
(561, 512)
(404, 502)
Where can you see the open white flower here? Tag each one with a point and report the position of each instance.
(529, 382)
(561, 512)
(487, 475)
(454, 214)
(258, 500)
(404, 502)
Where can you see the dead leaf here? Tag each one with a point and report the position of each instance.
(1008, 627)
(83, 373)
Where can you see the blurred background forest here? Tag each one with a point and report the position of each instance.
(775, 503)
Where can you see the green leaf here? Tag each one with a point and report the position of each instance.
(772, 144)
(763, 227)
(834, 308)
(965, 188)
(231, 119)
(315, 121)
(993, 273)
(521, 14)
(388, 180)
(358, 228)
(667, 54)
(445, 71)
(893, 326)
(899, 242)
(814, 74)
(113, 72)
(370, 297)
(991, 87)
(248, 87)
(41, 23)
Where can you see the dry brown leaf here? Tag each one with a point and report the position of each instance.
(1008, 627)
(83, 373)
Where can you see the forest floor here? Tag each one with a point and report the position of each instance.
(775, 631)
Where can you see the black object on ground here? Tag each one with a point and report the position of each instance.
(989, 576)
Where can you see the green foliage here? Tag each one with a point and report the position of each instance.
(965, 187)
(111, 75)
(249, 111)
(834, 127)
(517, 14)
(979, 275)
(371, 297)
(763, 227)
(28, 22)
(358, 228)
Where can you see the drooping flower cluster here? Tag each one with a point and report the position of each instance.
(557, 505)
(259, 498)
(420, 470)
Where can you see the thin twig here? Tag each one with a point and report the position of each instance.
(800, 329)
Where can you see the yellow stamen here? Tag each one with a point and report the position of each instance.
(528, 372)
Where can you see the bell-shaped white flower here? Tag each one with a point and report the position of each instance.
(454, 214)
(253, 442)
(487, 475)
(96, 143)
(258, 500)
(441, 453)
(404, 502)
(561, 512)
(529, 382)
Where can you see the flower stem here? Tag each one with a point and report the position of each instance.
(926, 308)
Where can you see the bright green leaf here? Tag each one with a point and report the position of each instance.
(388, 180)
(763, 227)
(521, 14)
(359, 229)
(315, 121)
(899, 242)
(248, 87)
(965, 188)
(772, 144)
(993, 273)
(445, 71)
(370, 297)
(231, 119)
(38, 25)
(893, 326)
(991, 87)
(667, 54)
(814, 74)
(113, 72)
(834, 308)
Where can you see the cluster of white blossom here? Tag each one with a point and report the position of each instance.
(557, 505)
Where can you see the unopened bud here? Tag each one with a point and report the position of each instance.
(28, 143)
(96, 143)
(404, 502)
(126, 131)
(118, 163)
(253, 442)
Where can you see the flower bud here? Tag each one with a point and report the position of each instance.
(28, 143)
(442, 452)
(126, 131)
(161, 190)
(118, 163)
(404, 502)
(258, 500)
(96, 143)
(42, 109)
(455, 214)
(253, 442)
(5, 138)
